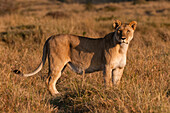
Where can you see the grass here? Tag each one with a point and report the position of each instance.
(145, 83)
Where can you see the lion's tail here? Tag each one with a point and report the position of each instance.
(45, 52)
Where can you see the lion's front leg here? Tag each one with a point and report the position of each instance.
(108, 76)
(117, 75)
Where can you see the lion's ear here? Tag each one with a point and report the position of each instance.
(133, 24)
(116, 23)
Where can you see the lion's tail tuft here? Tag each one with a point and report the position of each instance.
(45, 52)
(18, 72)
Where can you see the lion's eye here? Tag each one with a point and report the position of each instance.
(128, 31)
(119, 32)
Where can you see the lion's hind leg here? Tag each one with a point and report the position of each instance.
(51, 82)
(55, 70)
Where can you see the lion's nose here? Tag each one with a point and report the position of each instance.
(123, 38)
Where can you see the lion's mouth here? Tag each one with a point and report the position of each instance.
(124, 42)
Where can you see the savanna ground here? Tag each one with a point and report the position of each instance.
(24, 27)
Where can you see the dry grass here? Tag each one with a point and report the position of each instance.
(144, 86)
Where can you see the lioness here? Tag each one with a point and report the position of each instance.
(86, 55)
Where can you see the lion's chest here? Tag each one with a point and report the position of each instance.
(118, 62)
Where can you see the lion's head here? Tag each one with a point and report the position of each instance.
(124, 32)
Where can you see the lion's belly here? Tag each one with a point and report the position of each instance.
(86, 61)
(79, 69)
(81, 59)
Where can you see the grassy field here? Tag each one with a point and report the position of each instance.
(24, 27)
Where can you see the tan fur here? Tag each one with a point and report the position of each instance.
(86, 55)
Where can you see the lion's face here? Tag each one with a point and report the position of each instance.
(124, 32)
